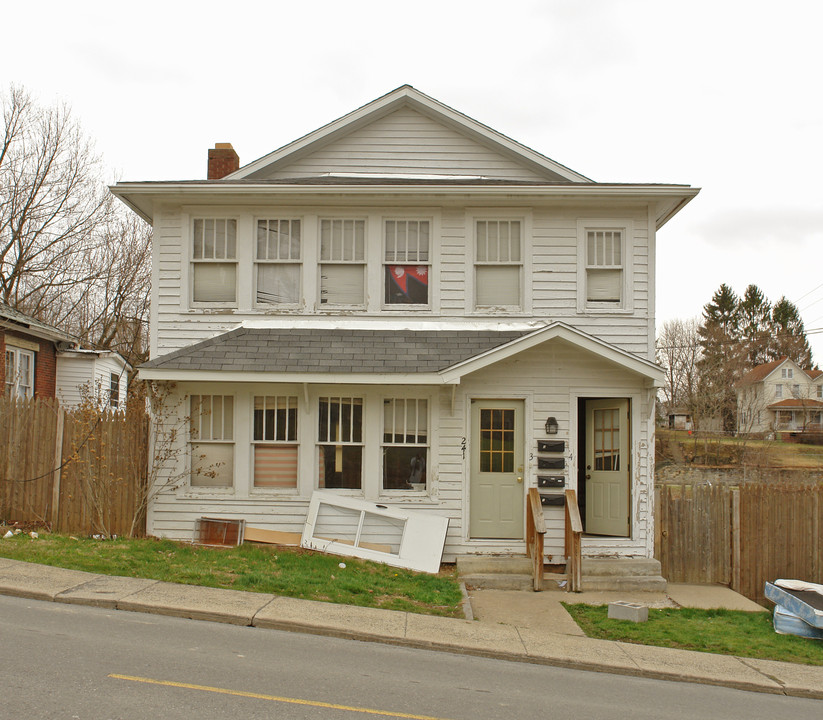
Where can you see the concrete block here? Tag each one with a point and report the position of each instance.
(635, 612)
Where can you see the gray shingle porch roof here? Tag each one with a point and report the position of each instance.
(321, 350)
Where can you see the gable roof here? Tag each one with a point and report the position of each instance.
(408, 97)
(761, 372)
(12, 319)
(352, 355)
(272, 180)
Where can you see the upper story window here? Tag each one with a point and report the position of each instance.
(214, 260)
(212, 440)
(787, 373)
(343, 262)
(604, 266)
(278, 262)
(19, 373)
(820, 391)
(778, 391)
(604, 272)
(275, 442)
(498, 264)
(407, 262)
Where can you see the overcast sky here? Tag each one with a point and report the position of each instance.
(726, 96)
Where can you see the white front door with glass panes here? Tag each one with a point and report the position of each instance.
(607, 467)
(496, 508)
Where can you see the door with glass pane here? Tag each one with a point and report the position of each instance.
(607, 467)
(496, 485)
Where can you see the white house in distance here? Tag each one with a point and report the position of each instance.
(779, 396)
(85, 374)
(410, 308)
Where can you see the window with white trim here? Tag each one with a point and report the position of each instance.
(114, 391)
(405, 443)
(340, 442)
(278, 262)
(275, 442)
(406, 262)
(820, 392)
(498, 264)
(787, 373)
(214, 260)
(604, 266)
(212, 440)
(778, 391)
(342, 262)
(19, 373)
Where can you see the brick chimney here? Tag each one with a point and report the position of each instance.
(223, 160)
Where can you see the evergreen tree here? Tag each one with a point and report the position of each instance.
(788, 335)
(754, 316)
(719, 364)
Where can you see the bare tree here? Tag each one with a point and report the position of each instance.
(68, 255)
(52, 203)
(678, 352)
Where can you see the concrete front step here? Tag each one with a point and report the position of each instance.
(514, 573)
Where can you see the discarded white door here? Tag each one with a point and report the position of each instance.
(401, 538)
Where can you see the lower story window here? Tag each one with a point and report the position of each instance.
(19, 373)
(212, 440)
(340, 442)
(275, 442)
(405, 444)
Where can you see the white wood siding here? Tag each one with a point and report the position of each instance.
(549, 378)
(551, 288)
(407, 142)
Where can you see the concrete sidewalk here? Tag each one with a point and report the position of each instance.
(520, 626)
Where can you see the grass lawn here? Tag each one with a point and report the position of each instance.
(258, 568)
(726, 632)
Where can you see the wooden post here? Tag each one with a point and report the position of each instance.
(735, 539)
(58, 461)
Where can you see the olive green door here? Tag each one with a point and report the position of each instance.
(496, 493)
(607, 467)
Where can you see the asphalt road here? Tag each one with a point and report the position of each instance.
(65, 661)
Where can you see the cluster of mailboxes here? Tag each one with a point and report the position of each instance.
(551, 471)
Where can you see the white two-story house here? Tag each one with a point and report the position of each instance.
(779, 396)
(408, 307)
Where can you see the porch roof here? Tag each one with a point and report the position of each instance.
(366, 356)
(797, 404)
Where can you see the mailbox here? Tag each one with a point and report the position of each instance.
(551, 481)
(553, 446)
(552, 500)
(544, 463)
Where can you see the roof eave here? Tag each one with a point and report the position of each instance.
(143, 196)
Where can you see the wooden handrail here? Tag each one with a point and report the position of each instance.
(535, 530)
(573, 550)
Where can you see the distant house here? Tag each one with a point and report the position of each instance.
(44, 362)
(779, 396)
(99, 375)
(679, 419)
(30, 349)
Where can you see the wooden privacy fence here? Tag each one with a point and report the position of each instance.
(82, 471)
(740, 536)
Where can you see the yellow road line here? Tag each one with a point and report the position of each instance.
(273, 698)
